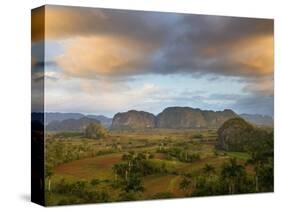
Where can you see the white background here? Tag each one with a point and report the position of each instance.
(15, 104)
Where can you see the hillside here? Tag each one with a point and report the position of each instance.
(133, 120)
(50, 117)
(71, 124)
(239, 135)
(173, 118)
(187, 117)
(234, 134)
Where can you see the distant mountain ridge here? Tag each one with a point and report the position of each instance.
(105, 121)
(170, 117)
(71, 124)
(261, 120)
(173, 118)
(187, 117)
(50, 117)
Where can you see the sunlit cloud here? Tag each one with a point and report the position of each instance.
(103, 56)
(97, 56)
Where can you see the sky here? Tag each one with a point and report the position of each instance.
(104, 61)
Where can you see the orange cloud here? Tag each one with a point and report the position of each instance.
(256, 55)
(55, 22)
(250, 56)
(102, 55)
(119, 42)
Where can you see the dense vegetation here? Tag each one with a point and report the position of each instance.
(155, 164)
(95, 131)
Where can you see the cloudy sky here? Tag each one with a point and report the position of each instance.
(102, 61)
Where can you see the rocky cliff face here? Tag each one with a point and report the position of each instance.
(215, 119)
(173, 118)
(186, 117)
(181, 117)
(133, 120)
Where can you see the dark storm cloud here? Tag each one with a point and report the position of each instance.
(255, 104)
(168, 43)
(221, 30)
(66, 22)
(220, 45)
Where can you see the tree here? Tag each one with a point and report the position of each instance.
(95, 131)
(185, 182)
(48, 174)
(232, 173)
(267, 178)
(129, 158)
(136, 163)
(134, 183)
(206, 187)
(261, 151)
(209, 169)
(120, 170)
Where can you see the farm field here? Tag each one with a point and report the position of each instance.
(83, 170)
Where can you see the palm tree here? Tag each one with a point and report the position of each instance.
(129, 158)
(134, 184)
(185, 183)
(209, 169)
(257, 162)
(141, 156)
(232, 172)
(261, 152)
(120, 170)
